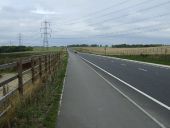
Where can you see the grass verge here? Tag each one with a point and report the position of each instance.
(11, 57)
(41, 109)
(157, 59)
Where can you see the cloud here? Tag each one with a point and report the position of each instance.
(43, 12)
(77, 18)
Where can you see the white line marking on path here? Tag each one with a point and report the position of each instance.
(61, 97)
(128, 98)
(144, 94)
(123, 64)
(142, 69)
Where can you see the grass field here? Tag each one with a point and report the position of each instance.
(10, 57)
(158, 55)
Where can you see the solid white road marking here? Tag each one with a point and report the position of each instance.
(142, 69)
(144, 94)
(128, 98)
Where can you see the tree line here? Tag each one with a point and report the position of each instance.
(117, 45)
(135, 45)
(84, 45)
(7, 49)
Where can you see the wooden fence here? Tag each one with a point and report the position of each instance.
(36, 67)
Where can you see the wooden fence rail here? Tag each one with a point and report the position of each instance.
(37, 67)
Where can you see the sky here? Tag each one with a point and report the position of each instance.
(85, 21)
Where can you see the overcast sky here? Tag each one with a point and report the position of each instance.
(85, 21)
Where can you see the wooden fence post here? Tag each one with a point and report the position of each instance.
(166, 51)
(20, 77)
(4, 90)
(46, 70)
(49, 56)
(59, 59)
(55, 61)
(40, 66)
(33, 70)
(52, 61)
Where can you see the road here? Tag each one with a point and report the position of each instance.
(152, 80)
(94, 99)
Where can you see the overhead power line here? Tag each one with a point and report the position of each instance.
(125, 15)
(141, 20)
(145, 19)
(98, 12)
(137, 30)
(113, 12)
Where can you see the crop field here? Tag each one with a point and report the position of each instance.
(158, 55)
(164, 50)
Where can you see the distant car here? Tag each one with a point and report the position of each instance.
(75, 52)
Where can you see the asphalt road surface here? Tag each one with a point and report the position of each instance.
(154, 81)
(93, 99)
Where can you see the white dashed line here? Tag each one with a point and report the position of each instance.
(123, 64)
(142, 69)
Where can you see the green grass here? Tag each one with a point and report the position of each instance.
(51, 49)
(158, 59)
(40, 111)
(10, 57)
